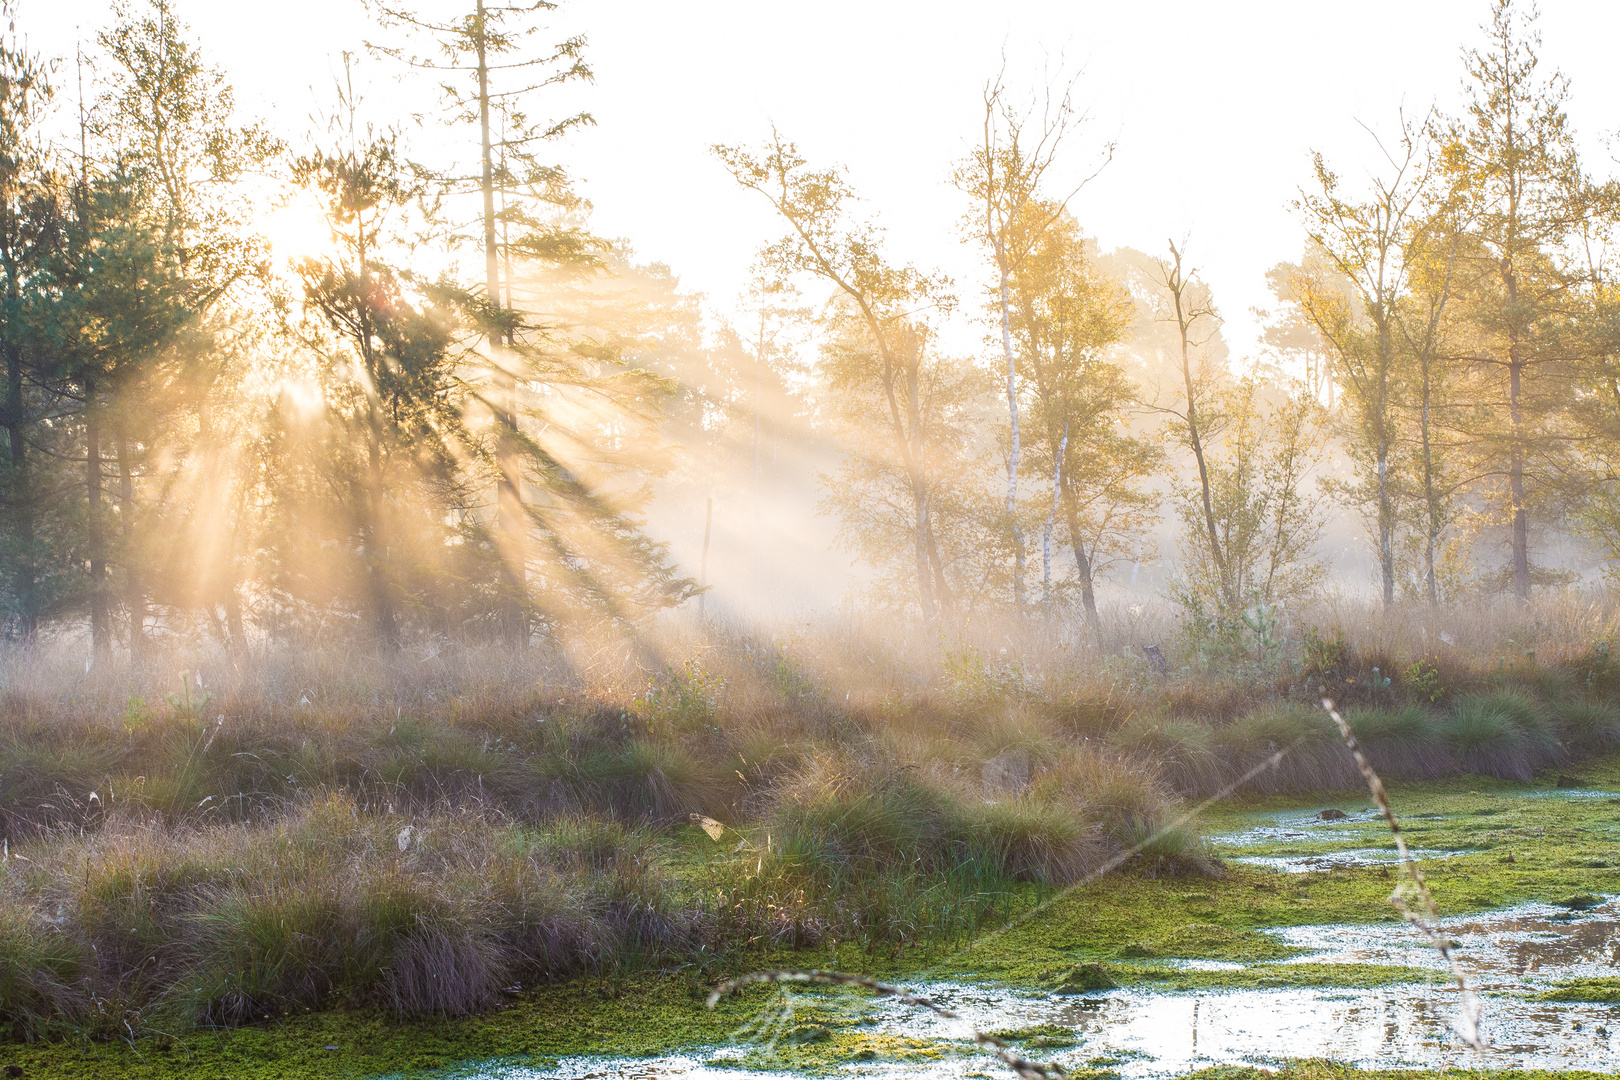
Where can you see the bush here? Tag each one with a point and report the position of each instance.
(237, 922)
(1181, 751)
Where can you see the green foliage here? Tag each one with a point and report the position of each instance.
(1421, 679)
(1599, 669)
(187, 705)
(684, 698)
(1325, 654)
(968, 678)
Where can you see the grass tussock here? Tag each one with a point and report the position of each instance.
(138, 928)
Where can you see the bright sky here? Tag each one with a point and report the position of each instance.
(1215, 106)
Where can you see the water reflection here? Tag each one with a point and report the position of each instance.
(1144, 1035)
(1531, 943)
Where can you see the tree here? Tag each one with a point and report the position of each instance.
(512, 183)
(1004, 176)
(823, 243)
(28, 222)
(1266, 524)
(1428, 337)
(387, 364)
(165, 119)
(1365, 242)
(1066, 317)
(113, 296)
(871, 491)
(1194, 409)
(1294, 341)
(1513, 160)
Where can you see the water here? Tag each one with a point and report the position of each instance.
(1145, 1035)
(1328, 860)
(1150, 1035)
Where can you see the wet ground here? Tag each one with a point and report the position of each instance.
(1511, 957)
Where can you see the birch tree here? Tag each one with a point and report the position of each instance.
(1006, 176)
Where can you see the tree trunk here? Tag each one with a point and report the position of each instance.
(920, 539)
(1082, 561)
(19, 495)
(1431, 499)
(1386, 526)
(1521, 518)
(1195, 440)
(1012, 413)
(100, 637)
(509, 527)
(134, 585)
(1046, 535)
(382, 603)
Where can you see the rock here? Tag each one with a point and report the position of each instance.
(12, 1071)
(1565, 781)
(1007, 771)
(1085, 979)
(1137, 950)
(1332, 814)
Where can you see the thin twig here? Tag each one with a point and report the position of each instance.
(1427, 919)
(1029, 1070)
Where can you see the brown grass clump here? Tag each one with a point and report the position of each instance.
(134, 926)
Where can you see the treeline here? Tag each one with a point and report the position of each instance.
(1451, 334)
(195, 440)
(448, 417)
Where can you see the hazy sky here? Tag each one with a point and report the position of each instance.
(1215, 106)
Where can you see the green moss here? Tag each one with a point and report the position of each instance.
(1273, 976)
(1605, 990)
(1084, 979)
(821, 1057)
(1040, 1037)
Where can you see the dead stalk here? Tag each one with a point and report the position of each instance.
(1426, 919)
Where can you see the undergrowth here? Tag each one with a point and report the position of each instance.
(426, 834)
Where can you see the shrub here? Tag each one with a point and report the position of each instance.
(1182, 751)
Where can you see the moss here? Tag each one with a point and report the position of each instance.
(1084, 979)
(834, 1053)
(1606, 990)
(1273, 977)
(1040, 1037)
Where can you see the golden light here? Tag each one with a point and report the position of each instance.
(296, 227)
